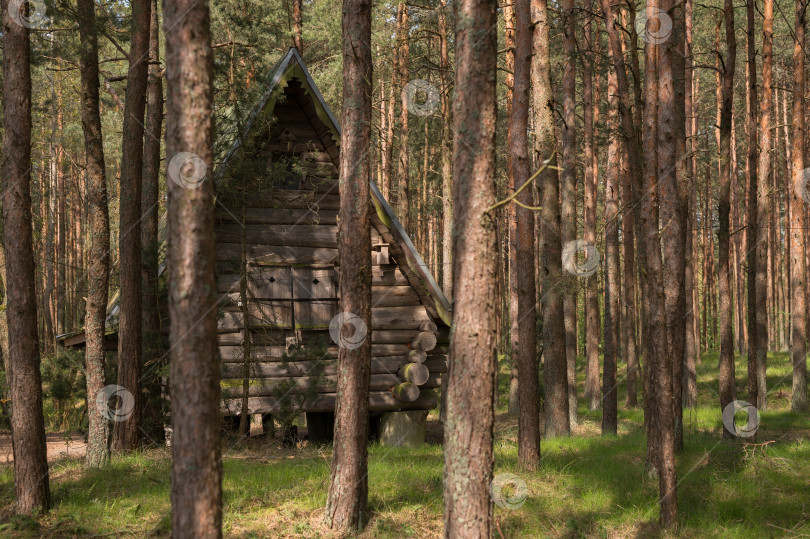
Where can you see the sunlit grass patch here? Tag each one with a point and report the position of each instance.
(586, 485)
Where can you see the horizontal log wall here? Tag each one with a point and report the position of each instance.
(325, 402)
(289, 240)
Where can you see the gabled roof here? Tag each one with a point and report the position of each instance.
(385, 221)
(290, 66)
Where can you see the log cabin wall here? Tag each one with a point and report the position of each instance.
(276, 233)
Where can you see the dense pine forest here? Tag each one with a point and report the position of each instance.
(321, 268)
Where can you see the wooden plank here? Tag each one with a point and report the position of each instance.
(227, 341)
(270, 197)
(273, 314)
(388, 275)
(320, 184)
(398, 317)
(393, 296)
(234, 354)
(228, 282)
(230, 339)
(293, 235)
(315, 314)
(281, 216)
(269, 282)
(377, 401)
(231, 253)
(299, 127)
(279, 369)
(229, 321)
(266, 336)
(393, 336)
(264, 387)
(314, 283)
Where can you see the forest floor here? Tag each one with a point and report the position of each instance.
(587, 485)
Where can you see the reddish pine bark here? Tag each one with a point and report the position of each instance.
(798, 344)
(348, 486)
(31, 481)
(726, 374)
(127, 433)
(298, 27)
(529, 419)
(589, 232)
(753, 216)
(628, 125)
(660, 437)
(403, 161)
(468, 430)
(98, 452)
(511, 209)
(673, 200)
(557, 422)
(613, 173)
(150, 245)
(689, 389)
(568, 193)
(446, 156)
(195, 370)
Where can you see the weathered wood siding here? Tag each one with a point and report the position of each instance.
(279, 232)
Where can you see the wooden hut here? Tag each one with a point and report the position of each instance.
(276, 232)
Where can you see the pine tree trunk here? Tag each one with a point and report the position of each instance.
(568, 194)
(783, 276)
(31, 481)
(49, 304)
(673, 201)
(628, 127)
(589, 232)
(689, 389)
(403, 161)
(660, 441)
(348, 486)
(98, 452)
(523, 261)
(150, 245)
(511, 211)
(753, 214)
(298, 27)
(798, 341)
(612, 173)
(726, 374)
(127, 433)
(557, 420)
(195, 371)
(446, 156)
(470, 416)
(628, 325)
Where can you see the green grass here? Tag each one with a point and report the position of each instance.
(586, 486)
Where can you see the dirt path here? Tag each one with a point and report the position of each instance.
(60, 445)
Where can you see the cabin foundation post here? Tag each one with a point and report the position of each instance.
(256, 425)
(403, 429)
